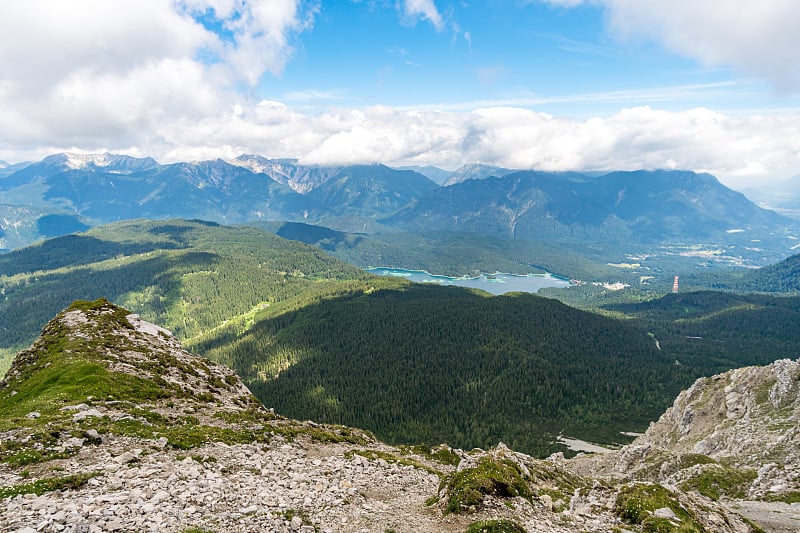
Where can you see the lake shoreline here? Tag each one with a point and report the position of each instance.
(495, 283)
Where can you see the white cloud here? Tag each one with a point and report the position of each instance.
(260, 32)
(45, 41)
(739, 150)
(125, 76)
(110, 74)
(758, 37)
(425, 9)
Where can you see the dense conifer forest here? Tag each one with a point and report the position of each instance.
(188, 277)
(427, 364)
(317, 338)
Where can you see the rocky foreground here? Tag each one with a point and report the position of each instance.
(107, 424)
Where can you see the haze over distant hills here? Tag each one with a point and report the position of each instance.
(619, 208)
(436, 174)
(783, 197)
(7, 169)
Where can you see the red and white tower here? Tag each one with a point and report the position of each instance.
(675, 285)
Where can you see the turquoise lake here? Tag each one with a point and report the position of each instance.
(498, 283)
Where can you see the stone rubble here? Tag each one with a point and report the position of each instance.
(281, 486)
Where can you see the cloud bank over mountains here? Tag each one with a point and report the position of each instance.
(178, 80)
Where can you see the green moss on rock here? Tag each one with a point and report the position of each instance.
(636, 504)
(466, 489)
(717, 481)
(495, 526)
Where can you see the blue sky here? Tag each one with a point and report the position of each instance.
(549, 58)
(707, 85)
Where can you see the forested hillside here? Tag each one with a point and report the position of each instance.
(780, 278)
(186, 276)
(449, 253)
(317, 338)
(715, 331)
(418, 363)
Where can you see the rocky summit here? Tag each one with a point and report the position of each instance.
(108, 424)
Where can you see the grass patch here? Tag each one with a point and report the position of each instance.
(495, 526)
(327, 433)
(560, 498)
(288, 514)
(247, 416)
(466, 489)
(661, 465)
(440, 454)
(31, 456)
(636, 504)
(786, 497)
(47, 485)
(717, 481)
(391, 458)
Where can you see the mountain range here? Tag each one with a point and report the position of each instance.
(613, 214)
(643, 206)
(475, 171)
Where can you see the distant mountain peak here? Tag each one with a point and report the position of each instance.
(301, 178)
(475, 171)
(107, 162)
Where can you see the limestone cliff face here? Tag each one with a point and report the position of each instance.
(748, 414)
(746, 418)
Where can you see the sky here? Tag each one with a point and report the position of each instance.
(705, 85)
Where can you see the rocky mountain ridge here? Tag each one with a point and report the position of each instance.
(733, 436)
(623, 208)
(745, 417)
(301, 178)
(475, 171)
(107, 424)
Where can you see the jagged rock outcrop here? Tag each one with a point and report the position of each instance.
(733, 436)
(746, 418)
(108, 424)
